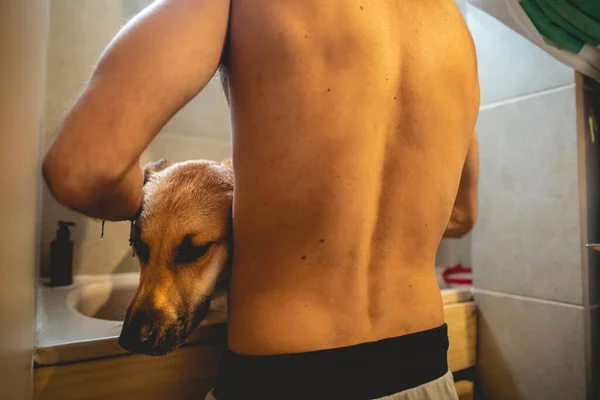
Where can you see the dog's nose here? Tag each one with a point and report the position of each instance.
(138, 334)
(146, 332)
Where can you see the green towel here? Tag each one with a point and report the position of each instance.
(571, 27)
(577, 17)
(569, 30)
(589, 7)
(550, 30)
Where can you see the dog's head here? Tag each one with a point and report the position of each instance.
(182, 239)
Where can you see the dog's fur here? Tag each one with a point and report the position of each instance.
(182, 238)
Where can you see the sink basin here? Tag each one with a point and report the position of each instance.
(83, 320)
(107, 300)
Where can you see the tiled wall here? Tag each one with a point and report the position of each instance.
(79, 31)
(526, 246)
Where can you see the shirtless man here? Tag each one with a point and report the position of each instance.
(353, 126)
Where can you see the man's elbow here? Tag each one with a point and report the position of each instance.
(72, 187)
(461, 223)
(61, 183)
(468, 222)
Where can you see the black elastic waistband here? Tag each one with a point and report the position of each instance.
(365, 371)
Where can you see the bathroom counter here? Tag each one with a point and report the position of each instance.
(64, 335)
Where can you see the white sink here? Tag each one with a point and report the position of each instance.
(106, 300)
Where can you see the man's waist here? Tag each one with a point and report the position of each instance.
(363, 371)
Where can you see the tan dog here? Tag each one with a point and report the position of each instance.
(182, 238)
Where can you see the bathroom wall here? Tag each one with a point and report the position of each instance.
(526, 246)
(79, 31)
(22, 58)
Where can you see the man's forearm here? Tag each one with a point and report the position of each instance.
(459, 225)
(464, 212)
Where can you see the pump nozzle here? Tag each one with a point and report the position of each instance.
(63, 232)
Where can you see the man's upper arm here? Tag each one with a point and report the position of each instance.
(157, 63)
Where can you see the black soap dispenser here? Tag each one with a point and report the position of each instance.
(61, 256)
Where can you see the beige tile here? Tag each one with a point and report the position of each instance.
(529, 349)
(79, 32)
(91, 255)
(462, 6)
(509, 64)
(497, 9)
(527, 239)
(454, 251)
(180, 148)
(132, 7)
(207, 115)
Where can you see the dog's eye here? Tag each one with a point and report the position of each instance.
(142, 250)
(187, 252)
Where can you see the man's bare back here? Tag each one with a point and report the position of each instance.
(351, 122)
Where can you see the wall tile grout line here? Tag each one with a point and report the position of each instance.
(526, 96)
(526, 298)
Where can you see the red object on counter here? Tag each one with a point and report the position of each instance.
(457, 269)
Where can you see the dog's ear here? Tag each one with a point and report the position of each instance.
(154, 167)
(227, 163)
